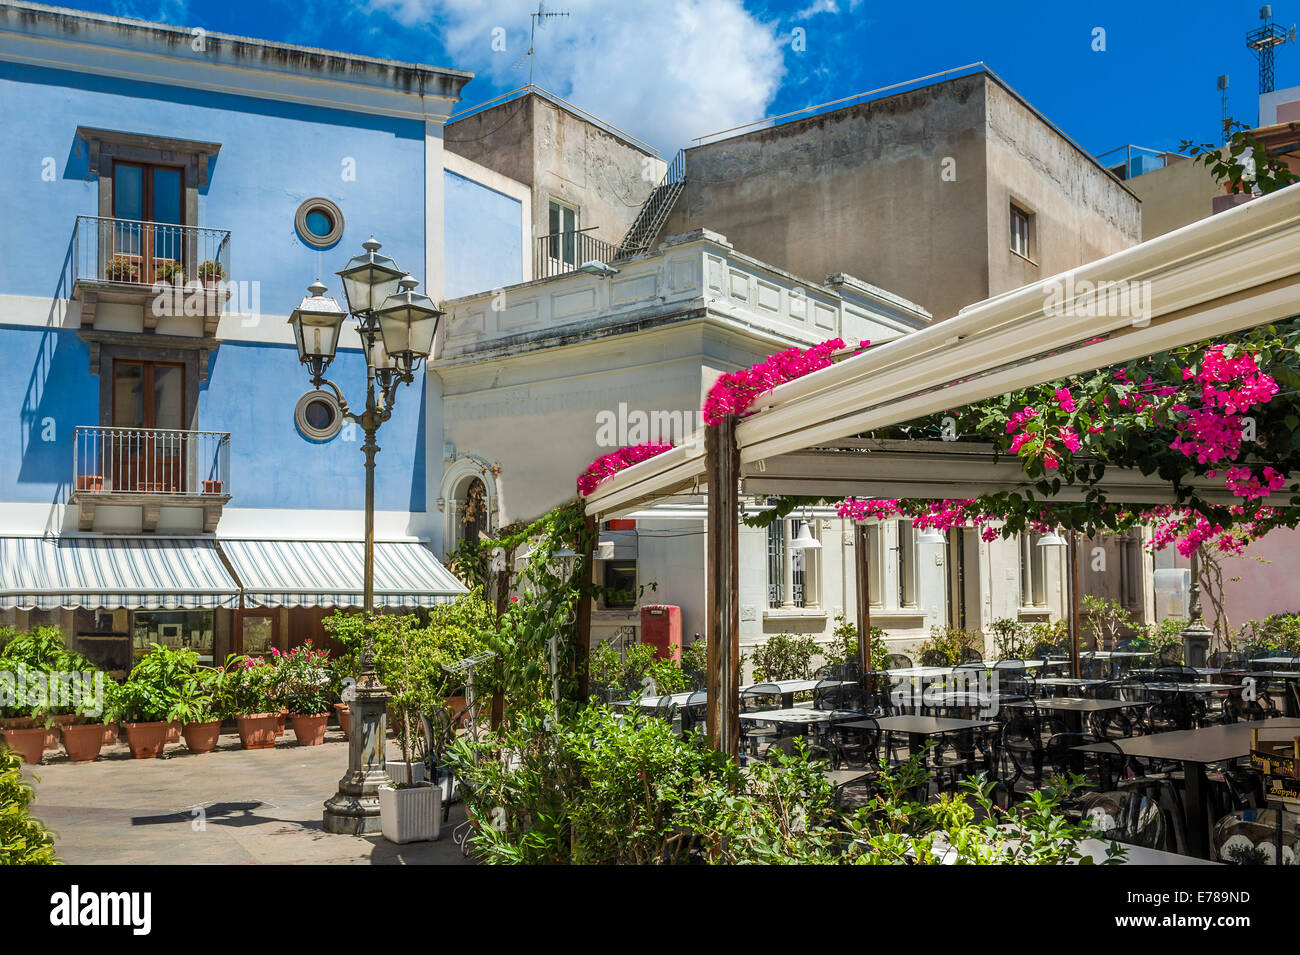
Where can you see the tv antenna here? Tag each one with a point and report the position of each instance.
(1264, 42)
(538, 19)
(1223, 108)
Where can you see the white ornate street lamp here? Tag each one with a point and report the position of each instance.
(397, 328)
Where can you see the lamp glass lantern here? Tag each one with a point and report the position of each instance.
(369, 278)
(316, 322)
(408, 322)
(1051, 539)
(931, 535)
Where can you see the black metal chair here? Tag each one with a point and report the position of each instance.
(934, 658)
(1127, 816)
(828, 694)
(898, 661)
(857, 744)
(694, 712)
(753, 701)
(971, 655)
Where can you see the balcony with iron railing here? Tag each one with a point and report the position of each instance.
(150, 468)
(562, 252)
(126, 260)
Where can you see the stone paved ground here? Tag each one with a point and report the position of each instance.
(261, 807)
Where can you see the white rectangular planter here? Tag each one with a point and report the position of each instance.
(396, 770)
(410, 815)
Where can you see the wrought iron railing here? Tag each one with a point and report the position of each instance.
(131, 252)
(562, 252)
(654, 211)
(150, 461)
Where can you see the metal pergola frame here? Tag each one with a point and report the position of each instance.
(1225, 274)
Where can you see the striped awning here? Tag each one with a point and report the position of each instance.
(45, 573)
(292, 573)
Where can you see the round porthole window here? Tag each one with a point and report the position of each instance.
(319, 222)
(318, 416)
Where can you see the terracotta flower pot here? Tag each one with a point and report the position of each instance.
(27, 743)
(52, 732)
(83, 741)
(310, 728)
(202, 737)
(279, 723)
(257, 730)
(17, 723)
(147, 740)
(174, 730)
(111, 732)
(344, 713)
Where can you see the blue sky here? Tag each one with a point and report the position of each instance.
(670, 70)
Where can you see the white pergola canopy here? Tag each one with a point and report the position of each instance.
(1230, 272)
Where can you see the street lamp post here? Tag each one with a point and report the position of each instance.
(397, 326)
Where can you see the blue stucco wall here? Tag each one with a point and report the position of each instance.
(251, 392)
(46, 389)
(273, 156)
(484, 241)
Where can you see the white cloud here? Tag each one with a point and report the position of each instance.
(818, 6)
(663, 72)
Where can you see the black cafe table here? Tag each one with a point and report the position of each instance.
(1073, 708)
(1195, 749)
(917, 729)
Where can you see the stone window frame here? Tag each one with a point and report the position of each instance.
(105, 146)
(331, 209)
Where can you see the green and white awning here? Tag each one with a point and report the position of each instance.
(46, 573)
(293, 573)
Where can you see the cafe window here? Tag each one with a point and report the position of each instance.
(620, 580)
(174, 629)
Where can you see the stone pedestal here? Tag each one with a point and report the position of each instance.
(354, 809)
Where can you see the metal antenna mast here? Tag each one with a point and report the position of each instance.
(1264, 41)
(538, 19)
(1223, 110)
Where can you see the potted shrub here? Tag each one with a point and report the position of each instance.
(213, 487)
(252, 695)
(40, 650)
(211, 273)
(304, 680)
(150, 698)
(84, 739)
(28, 742)
(409, 810)
(169, 272)
(121, 268)
(201, 709)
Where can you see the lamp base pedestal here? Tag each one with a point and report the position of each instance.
(354, 809)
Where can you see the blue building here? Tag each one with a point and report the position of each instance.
(167, 473)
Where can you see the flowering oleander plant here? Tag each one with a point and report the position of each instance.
(252, 685)
(304, 680)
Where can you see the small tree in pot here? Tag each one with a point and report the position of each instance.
(409, 810)
(202, 706)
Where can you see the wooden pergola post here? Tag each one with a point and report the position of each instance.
(722, 462)
(863, 564)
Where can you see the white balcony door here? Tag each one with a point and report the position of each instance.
(147, 449)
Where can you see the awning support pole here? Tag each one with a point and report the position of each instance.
(722, 458)
(863, 563)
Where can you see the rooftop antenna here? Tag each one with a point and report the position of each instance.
(1264, 41)
(1223, 111)
(538, 19)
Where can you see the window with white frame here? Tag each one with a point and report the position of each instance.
(906, 552)
(1033, 572)
(875, 566)
(1021, 231)
(791, 577)
(563, 230)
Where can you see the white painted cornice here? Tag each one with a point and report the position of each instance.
(60, 38)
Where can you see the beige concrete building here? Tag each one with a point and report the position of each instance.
(588, 180)
(945, 194)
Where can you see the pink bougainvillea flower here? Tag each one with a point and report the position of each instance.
(608, 465)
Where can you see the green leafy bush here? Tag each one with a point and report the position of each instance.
(152, 693)
(24, 840)
(844, 645)
(251, 685)
(629, 670)
(783, 656)
(1279, 631)
(605, 789)
(952, 643)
